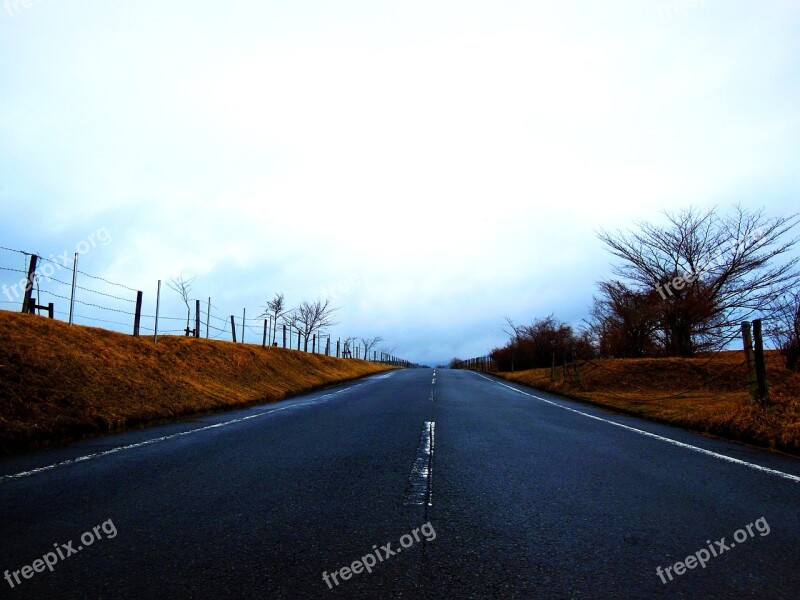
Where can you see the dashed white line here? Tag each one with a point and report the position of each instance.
(421, 478)
(724, 457)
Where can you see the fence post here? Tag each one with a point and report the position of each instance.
(747, 340)
(233, 329)
(158, 306)
(338, 345)
(50, 310)
(74, 280)
(761, 368)
(314, 344)
(284, 335)
(244, 320)
(27, 299)
(208, 316)
(328, 346)
(197, 318)
(298, 339)
(264, 340)
(137, 318)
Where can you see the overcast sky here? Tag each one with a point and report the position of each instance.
(431, 166)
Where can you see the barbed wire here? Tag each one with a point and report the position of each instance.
(254, 325)
(79, 287)
(125, 312)
(203, 303)
(15, 250)
(107, 281)
(219, 335)
(50, 260)
(10, 269)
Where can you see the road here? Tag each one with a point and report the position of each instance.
(481, 489)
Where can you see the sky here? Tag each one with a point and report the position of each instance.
(431, 167)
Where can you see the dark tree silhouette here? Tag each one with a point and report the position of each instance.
(710, 271)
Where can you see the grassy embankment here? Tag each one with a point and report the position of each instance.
(59, 383)
(706, 394)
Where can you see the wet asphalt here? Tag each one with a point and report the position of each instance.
(512, 493)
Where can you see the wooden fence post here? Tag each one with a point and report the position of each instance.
(761, 368)
(27, 299)
(137, 318)
(752, 382)
(197, 318)
(233, 329)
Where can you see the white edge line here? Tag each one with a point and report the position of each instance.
(86, 457)
(724, 457)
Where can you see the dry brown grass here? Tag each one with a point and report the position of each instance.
(705, 394)
(59, 382)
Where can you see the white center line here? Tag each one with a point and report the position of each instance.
(421, 477)
(724, 457)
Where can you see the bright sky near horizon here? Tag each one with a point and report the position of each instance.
(431, 166)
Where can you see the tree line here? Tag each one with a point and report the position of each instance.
(680, 288)
(308, 318)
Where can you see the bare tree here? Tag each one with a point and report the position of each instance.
(275, 309)
(710, 271)
(515, 332)
(784, 327)
(625, 323)
(183, 286)
(310, 317)
(369, 343)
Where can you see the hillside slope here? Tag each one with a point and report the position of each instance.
(61, 382)
(705, 394)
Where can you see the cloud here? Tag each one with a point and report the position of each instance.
(448, 162)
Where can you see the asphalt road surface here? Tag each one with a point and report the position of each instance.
(445, 485)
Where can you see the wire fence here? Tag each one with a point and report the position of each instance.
(87, 299)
